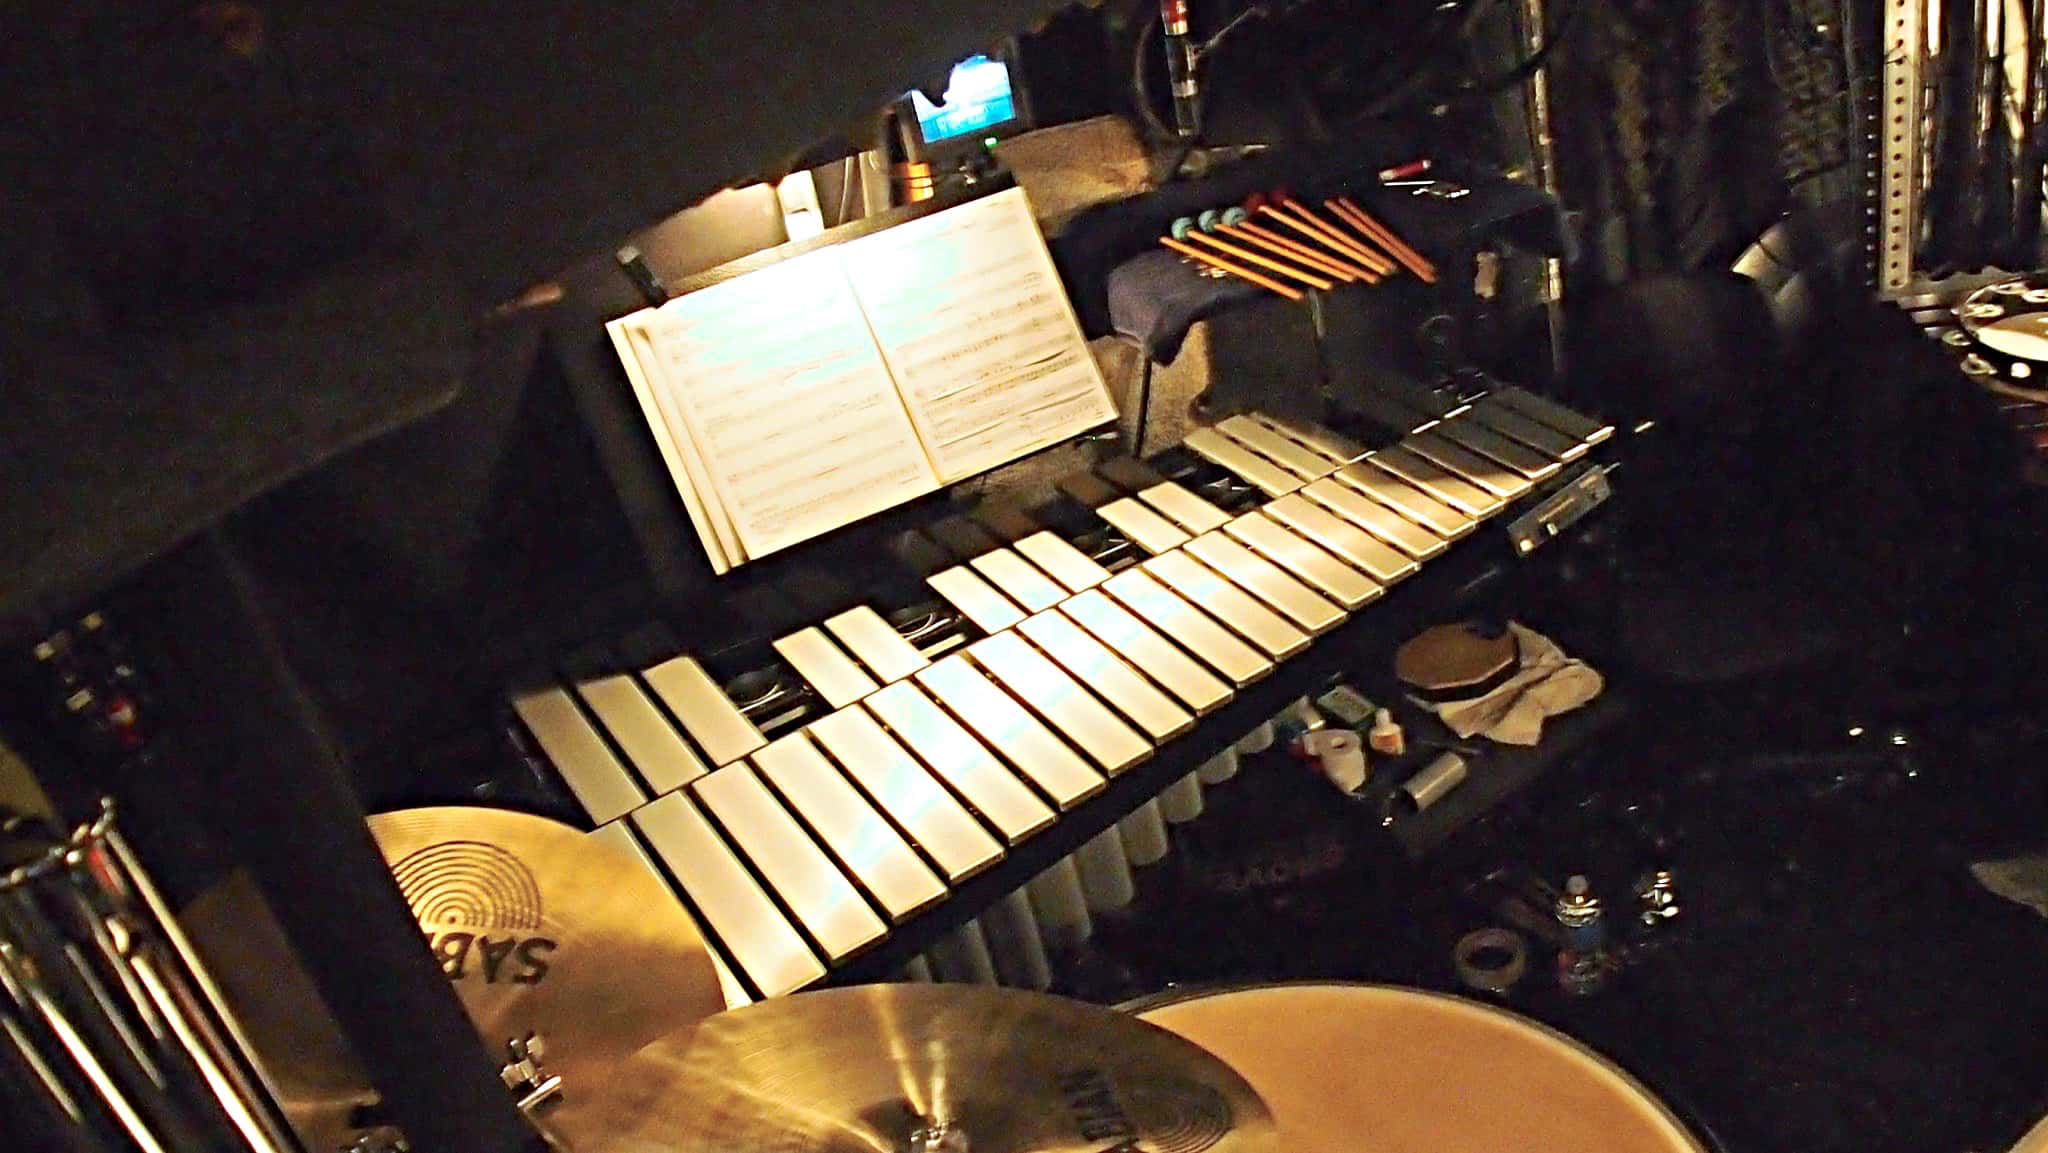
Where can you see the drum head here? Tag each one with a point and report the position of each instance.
(1376, 1069)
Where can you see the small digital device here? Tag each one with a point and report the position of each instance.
(981, 105)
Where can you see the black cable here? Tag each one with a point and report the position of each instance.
(1141, 97)
(1144, 401)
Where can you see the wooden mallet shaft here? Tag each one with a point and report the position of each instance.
(1393, 243)
(1292, 215)
(1246, 254)
(1254, 233)
(1237, 270)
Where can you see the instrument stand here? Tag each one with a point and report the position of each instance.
(275, 789)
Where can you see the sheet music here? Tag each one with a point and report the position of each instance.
(778, 381)
(974, 323)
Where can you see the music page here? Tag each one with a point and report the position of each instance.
(778, 379)
(971, 316)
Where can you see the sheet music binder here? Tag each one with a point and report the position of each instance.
(797, 392)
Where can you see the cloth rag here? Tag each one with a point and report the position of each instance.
(1547, 684)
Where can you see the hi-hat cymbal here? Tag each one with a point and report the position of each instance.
(543, 928)
(859, 1069)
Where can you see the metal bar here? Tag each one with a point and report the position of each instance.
(1557, 416)
(825, 667)
(1054, 695)
(618, 836)
(1296, 601)
(875, 644)
(1147, 529)
(1216, 645)
(1154, 655)
(1431, 478)
(1327, 498)
(718, 726)
(1022, 739)
(763, 942)
(1279, 449)
(919, 805)
(1255, 470)
(865, 844)
(1184, 508)
(990, 610)
(961, 761)
(1505, 419)
(1325, 573)
(1477, 437)
(586, 764)
(1143, 704)
(1018, 580)
(837, 917)
(1496, 478)
(658, 753)
(1403, 496)
(1232, 605)
(1333, 528)
(1903, 40)
(1067, 564)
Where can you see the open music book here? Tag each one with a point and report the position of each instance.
(814, 392)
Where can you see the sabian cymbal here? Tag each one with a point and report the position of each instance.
(859, 1069)
(543, 928)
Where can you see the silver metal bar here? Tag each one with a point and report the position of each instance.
(1557, 416)
(658, 753)
(1475, 436)
(1217, 646)
(1327, 499)
(1426, 475)
(825, 667)
(939, 825)
(1277, 448)
(836, 915)
(1023, 740)
(1255, 470)
(1154, 655)
(1233, 606)
(716, 723)
(761, 940)
(1381, 484)
(1054, 695)
(1333, 578)
(1182, 507)
(1507, 420)
(1147, 529)
(1067, 564)
(990, 610)
(1296, 601)
(1018, 580)
(961, 761)
(585, 762)
(875, 644)
(1333, 445)
(865, 844)
(1494, 477)
(1095, 666)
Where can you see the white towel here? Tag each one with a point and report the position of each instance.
(1548, 683)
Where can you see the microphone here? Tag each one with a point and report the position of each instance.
(1180, 68)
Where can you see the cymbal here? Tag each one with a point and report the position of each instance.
(858, 1069)
(543, 928)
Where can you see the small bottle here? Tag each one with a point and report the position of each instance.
(1385, 737)
(1582, 962)
(1580, 916)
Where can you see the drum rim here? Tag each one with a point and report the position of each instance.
(1692, 1132)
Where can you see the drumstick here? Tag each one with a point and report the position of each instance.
(1260, 279)
(1212, 221)
(1415, 261)
(1309, 226)
(1287, 270)
(1253, 233)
